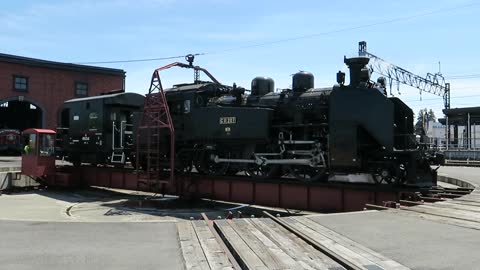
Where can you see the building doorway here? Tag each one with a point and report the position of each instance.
(20, 115)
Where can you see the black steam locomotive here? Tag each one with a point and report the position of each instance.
(349, 132)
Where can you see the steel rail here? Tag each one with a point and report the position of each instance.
(222, 244)
(322, 248)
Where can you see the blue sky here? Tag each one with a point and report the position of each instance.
(89, 30)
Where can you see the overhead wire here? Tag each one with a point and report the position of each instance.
(136, 60)
(439, 98)
(309, 36)
(461, 77)
(404, 18)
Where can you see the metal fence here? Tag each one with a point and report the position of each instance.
(454, 145)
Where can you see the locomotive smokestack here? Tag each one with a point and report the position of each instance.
(358, 70)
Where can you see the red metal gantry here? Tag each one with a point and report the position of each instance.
(155, 119)
(156, 154)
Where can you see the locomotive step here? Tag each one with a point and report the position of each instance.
(117, 157)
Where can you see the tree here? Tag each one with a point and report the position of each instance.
(423, 118)
(431, 116)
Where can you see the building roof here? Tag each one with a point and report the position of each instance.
(462, 111)
(459, 116)
(107, 96)
(59, 65)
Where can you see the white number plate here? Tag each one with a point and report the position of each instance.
(228, 120)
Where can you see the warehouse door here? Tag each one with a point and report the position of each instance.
(20, 115)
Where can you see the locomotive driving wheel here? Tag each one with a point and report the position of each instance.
(307, 173)
(262, 170)
(316, 170)
(383, 175)
(392, 173)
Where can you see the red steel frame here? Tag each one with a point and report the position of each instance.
(156, 116)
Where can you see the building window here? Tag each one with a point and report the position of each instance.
(20, 83)
(81, 89)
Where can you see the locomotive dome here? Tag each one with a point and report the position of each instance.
(302, 81)
(262, 86)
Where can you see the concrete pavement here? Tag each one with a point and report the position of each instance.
(87, 229)
(90, 229)
(470, 174)
(410, 240)
(59, 245)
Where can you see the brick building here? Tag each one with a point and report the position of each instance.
(32, 91)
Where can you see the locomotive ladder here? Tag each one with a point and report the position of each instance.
(154, 152)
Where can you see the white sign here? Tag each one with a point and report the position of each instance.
(228, 120)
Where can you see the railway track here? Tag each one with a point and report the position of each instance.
(433, 195)
(273, 243)
(298, 242)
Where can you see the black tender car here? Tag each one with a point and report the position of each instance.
(99, 129)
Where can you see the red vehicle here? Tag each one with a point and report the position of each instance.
(10, 142)
(38, 159)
